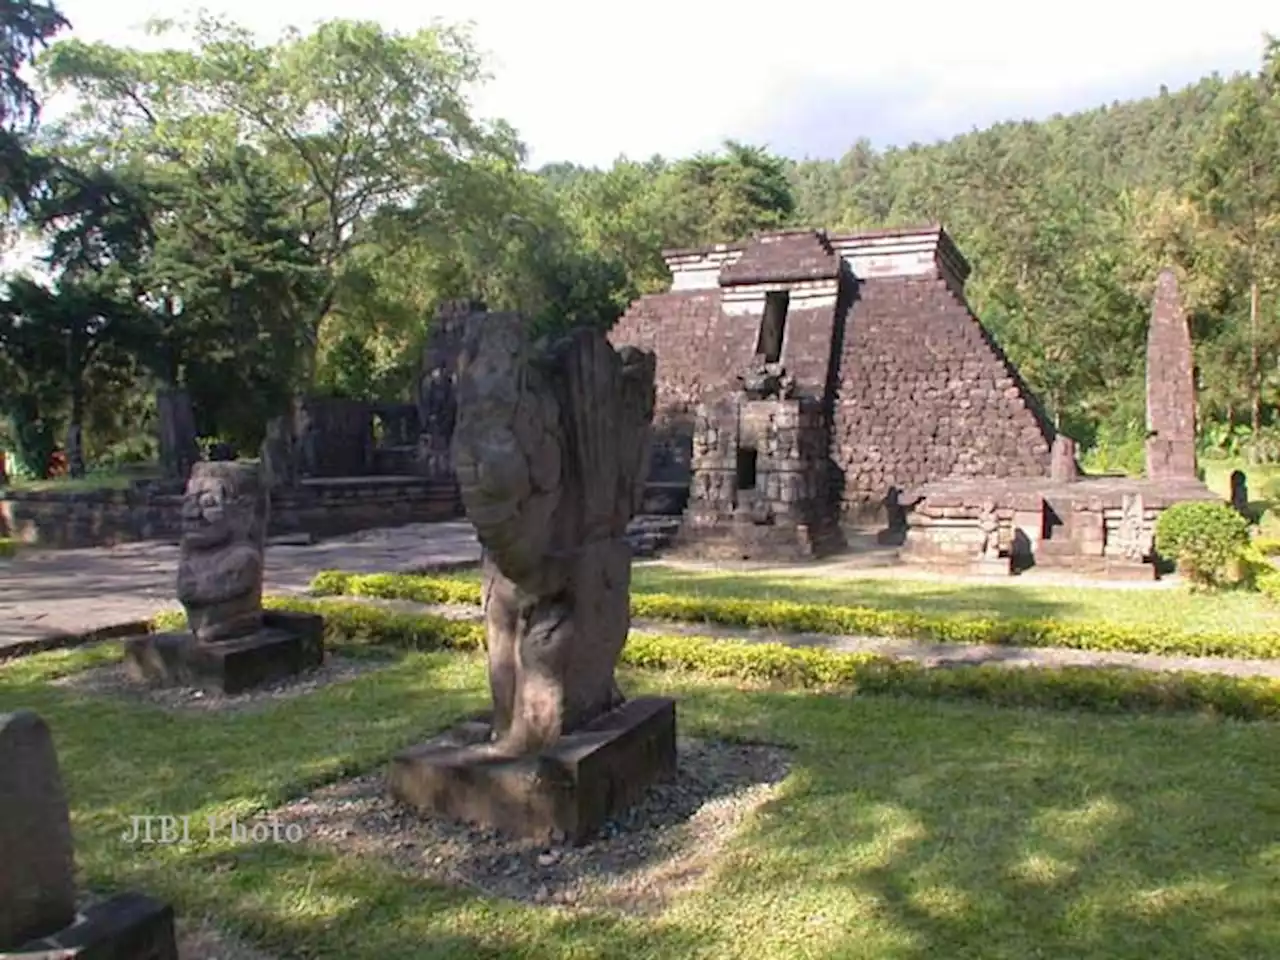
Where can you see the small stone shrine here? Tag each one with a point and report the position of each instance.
(39, 918)
(550, 448)
(233, 644)
(759, 471)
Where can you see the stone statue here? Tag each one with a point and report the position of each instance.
(1240, 492)
(279, 458)
(989, 527)
(550, 448)
(1133, 535)
(75, 451)
(220, 566)
(306, 439)
(437, 406)
(765, 381)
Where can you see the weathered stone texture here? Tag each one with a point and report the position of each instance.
(323, 508)
(220, 566)
(699, 351)
(551, 448)
(784, 256)
(177, 429)
(1171, 389)
(925, 394)
(37, 868)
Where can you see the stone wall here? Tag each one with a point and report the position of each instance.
(319, 507)
(924, 394)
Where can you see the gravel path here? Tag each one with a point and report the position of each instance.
(113, 681)
(921, 651)
(661, 847)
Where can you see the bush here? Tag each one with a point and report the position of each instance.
(1109, 690)
(8, 547)
(836, 620)
(1206, 540)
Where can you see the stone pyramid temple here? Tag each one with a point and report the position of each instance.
(810, 383)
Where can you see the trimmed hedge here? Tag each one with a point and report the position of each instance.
(1107, 690)
(792, 617)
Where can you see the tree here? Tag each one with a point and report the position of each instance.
(25, 28)
(717, 197)
(1237, 187)
(361, 121)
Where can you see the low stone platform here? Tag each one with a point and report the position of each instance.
(130, 926)
(289, 643)
(571, 789)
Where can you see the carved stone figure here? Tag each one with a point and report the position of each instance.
(766, 381)
(75, 450)
(220, 566)
(550, 449)
(989, 527)
(1134, 536)
(279, 458)
(1240, 492)
(306, 441)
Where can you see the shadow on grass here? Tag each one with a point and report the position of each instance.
(908, 830)
(934, 830)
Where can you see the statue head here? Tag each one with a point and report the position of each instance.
(225, 503)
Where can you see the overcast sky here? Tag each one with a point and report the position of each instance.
(588, 80)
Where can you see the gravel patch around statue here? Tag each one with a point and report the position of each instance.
(663, 846)
(113, 681)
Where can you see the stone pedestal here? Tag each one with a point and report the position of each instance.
(126, 927)
(571, 788)
(288, 644)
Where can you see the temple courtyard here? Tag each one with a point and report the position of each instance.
(821, 808)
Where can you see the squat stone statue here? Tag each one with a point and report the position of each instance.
(220, 566)
(233, 644)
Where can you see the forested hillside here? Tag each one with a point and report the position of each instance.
(249, 220)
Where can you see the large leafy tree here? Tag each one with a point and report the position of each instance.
(361, 122)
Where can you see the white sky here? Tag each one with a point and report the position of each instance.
(588, 80)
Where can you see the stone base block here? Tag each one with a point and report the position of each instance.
(572, 788)
(288, 644)
(126, 927)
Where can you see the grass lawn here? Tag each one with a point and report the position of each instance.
(907, 830)
(1239, 612)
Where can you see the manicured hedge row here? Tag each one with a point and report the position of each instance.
(353, 624)
(839, 620)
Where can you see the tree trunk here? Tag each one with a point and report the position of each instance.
(1255, 372)
(74, 444)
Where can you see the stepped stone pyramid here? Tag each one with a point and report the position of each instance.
(872, 326)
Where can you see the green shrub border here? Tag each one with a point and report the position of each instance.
(351, 625)
(835, 620)
(8, 547)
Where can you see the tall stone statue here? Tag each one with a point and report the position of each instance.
(550, 449)
(550, 446)
(232, 643)
(220, 566)
(279, 455)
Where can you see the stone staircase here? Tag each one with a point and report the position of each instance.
(649, 533)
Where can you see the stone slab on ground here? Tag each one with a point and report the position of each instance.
(571, 788)
(47, 593)
(129, 926)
